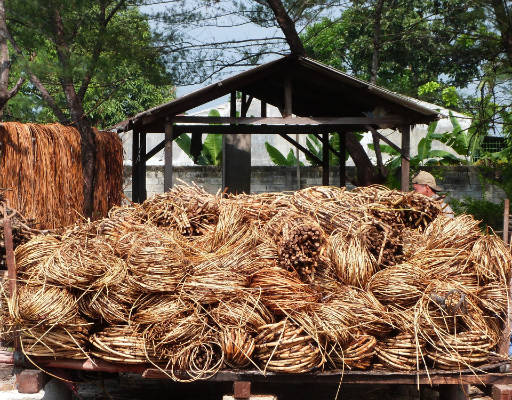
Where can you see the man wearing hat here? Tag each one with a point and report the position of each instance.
(424, 183)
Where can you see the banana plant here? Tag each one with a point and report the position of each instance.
(314, 145)
(211, 153)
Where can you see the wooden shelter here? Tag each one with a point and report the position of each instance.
(313, 98)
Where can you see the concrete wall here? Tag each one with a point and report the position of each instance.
(459, 182)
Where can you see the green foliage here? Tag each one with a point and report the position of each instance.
(211, 153)
(414, 49)
(279, 159)
(127, 71)
(490, 214)
(426, 156)
(314, 145)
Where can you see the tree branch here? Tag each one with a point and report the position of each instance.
(288, 27)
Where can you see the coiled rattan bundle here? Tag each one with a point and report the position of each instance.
(113, 304)
(284, 347)
(351, 256)
(121, 344)
(495, 299)
(237, 347)
(402, 352)
(357, 354)
(55, 342)
(282, 291)
(46, 304)
(460, 232)
(400, 286)
(247, 312)
(461, 351)
(199, 360)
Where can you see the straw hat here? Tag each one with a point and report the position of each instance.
(424, 178)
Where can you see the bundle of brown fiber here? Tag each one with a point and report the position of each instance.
(399, 286)
(31, 255)
(247, 312)
(333, 208)
(187, 208)
(301, 242)
(351, 256)
(367, 315)
(357, 354)
(402, 352)
(45, 304)
(446, 308)
(445, 232)
(83, 265)
(260, 207)
(199, 360)
(495, 299)
(285, 347)
(237, 347)
(213, 281)
(282, 291)
(461, 351)
(176, 332)
(156, 308)
(54, 341)
(397, 208)
(40, 165)
(492, 259)
(122, 344)
(108, 188)
(113, 304)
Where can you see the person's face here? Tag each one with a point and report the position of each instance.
(423, 189)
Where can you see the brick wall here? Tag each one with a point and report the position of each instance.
(459, 182)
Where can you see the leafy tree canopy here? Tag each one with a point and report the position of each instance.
(124, 72)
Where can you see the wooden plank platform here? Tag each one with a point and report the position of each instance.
(485, 374)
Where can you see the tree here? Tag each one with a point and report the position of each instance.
(5, 63)
(77, 54)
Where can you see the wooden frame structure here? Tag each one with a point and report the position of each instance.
(313, 99)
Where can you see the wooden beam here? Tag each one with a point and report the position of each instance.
(406, 149)
(259, 129)
(287, 111)
(263, 109)
(135, 164)
(342, 161)
(325, 159)
(364, 121)
(246, 103)
(300, 147)
(336, 153)
(387, 141)
(143, 194)
(168, 156)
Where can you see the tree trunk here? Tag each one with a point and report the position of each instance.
(5, 64)
(504, 25)
(366, 172)
(78, 116)
(288, 27)
(373, 77)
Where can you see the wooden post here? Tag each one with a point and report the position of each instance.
(342, 161)
(9, 253)
(325, 159)
(506, 208)
(135, 164)
(168, 156)
(263, 107)
(143, 194)
(287, 97)
(236, 158)
(406, 151)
